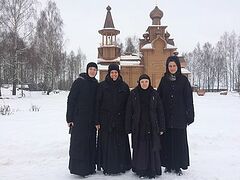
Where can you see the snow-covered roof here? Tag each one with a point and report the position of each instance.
(130, 57)
(108, 61)
(136, 54)
(22, 86)
(185, 71)
(169, 46)
(129, 63)
(147, 46)
(103, 67)
(155, 25)
(108, 45)
(122, 63)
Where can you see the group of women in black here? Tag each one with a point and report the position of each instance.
(156, 119)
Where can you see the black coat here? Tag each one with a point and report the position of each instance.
(177, 101)
(81, 111)
(111, 104)
(156, 117)
(113, 144)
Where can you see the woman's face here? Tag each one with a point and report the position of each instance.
(172, 67)
(144, 83)
(92, 71)
(114, 75)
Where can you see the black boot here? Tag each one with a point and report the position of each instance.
(178, 171)
(151, 177)
(168, 170)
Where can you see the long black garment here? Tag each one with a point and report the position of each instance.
(175, 153)
(145, 120)
(81, 111)
(113, 143)
(176, 95)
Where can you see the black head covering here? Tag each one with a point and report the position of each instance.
(91, 64)
(176, 60)
(144, 76)
(113, 67)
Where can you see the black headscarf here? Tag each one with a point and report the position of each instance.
(112, 67)
(91, 64)
(144, 93)
(172, 77)
(144, 76)
(176, 60)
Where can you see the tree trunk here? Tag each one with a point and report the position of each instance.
(14, 90)
(218, 79)
(0, 80)
(0, 87)
(15, 64)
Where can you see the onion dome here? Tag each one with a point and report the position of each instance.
(156, 15)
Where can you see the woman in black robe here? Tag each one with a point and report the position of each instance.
(113, 145)
(176, 94)
(81, 113)
(145, 121)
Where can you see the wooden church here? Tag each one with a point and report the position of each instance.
(154, 48)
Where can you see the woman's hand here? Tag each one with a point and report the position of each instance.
(97, 127)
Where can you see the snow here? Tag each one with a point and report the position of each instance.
(169, 46)
(110, 28)
(34, 145)
(130, 60)
(102, 67)
(130, 57)
(147, 46)
(157, 26)
(185, 71)
(129, 63)
(100, 60)
(108, 45)
(125, 60)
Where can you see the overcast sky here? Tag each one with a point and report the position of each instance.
(188, 21)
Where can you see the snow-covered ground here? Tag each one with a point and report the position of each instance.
(34, 145)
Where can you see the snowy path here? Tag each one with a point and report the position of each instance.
(34, 145)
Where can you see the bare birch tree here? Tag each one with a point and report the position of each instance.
(17, 17)
(49, 40)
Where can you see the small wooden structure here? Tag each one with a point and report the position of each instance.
(223, 93)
